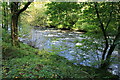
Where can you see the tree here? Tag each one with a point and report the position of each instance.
(106, 56)
(66, 16)
(103, 16)
(106, 18)
(15, 13)
(5, 15)
(37, 16)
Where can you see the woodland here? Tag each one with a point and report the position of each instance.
(60, 40)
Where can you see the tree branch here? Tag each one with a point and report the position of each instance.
(103, 30)
(98, 16)
(25, 7)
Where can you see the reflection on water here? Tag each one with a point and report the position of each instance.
(65, 44)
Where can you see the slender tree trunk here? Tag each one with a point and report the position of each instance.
(104, 32)
(7, 16)
(2, 18)
(106, 63)
(112, 47)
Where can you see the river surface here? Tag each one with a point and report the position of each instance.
(68, 44)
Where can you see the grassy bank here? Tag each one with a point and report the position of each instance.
(28, 62)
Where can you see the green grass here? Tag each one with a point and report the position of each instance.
(28, 62)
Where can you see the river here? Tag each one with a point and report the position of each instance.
(68, 44)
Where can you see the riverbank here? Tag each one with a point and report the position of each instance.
(27, 62)
(62, 29)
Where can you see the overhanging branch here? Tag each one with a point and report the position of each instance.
(25, 7)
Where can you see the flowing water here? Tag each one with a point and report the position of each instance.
(67, 44)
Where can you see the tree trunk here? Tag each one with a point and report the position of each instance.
(14, 30)
(14, 20)
(14, 23)
(106, 56)
(104, 32)
(106, 62)
(5, 15)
